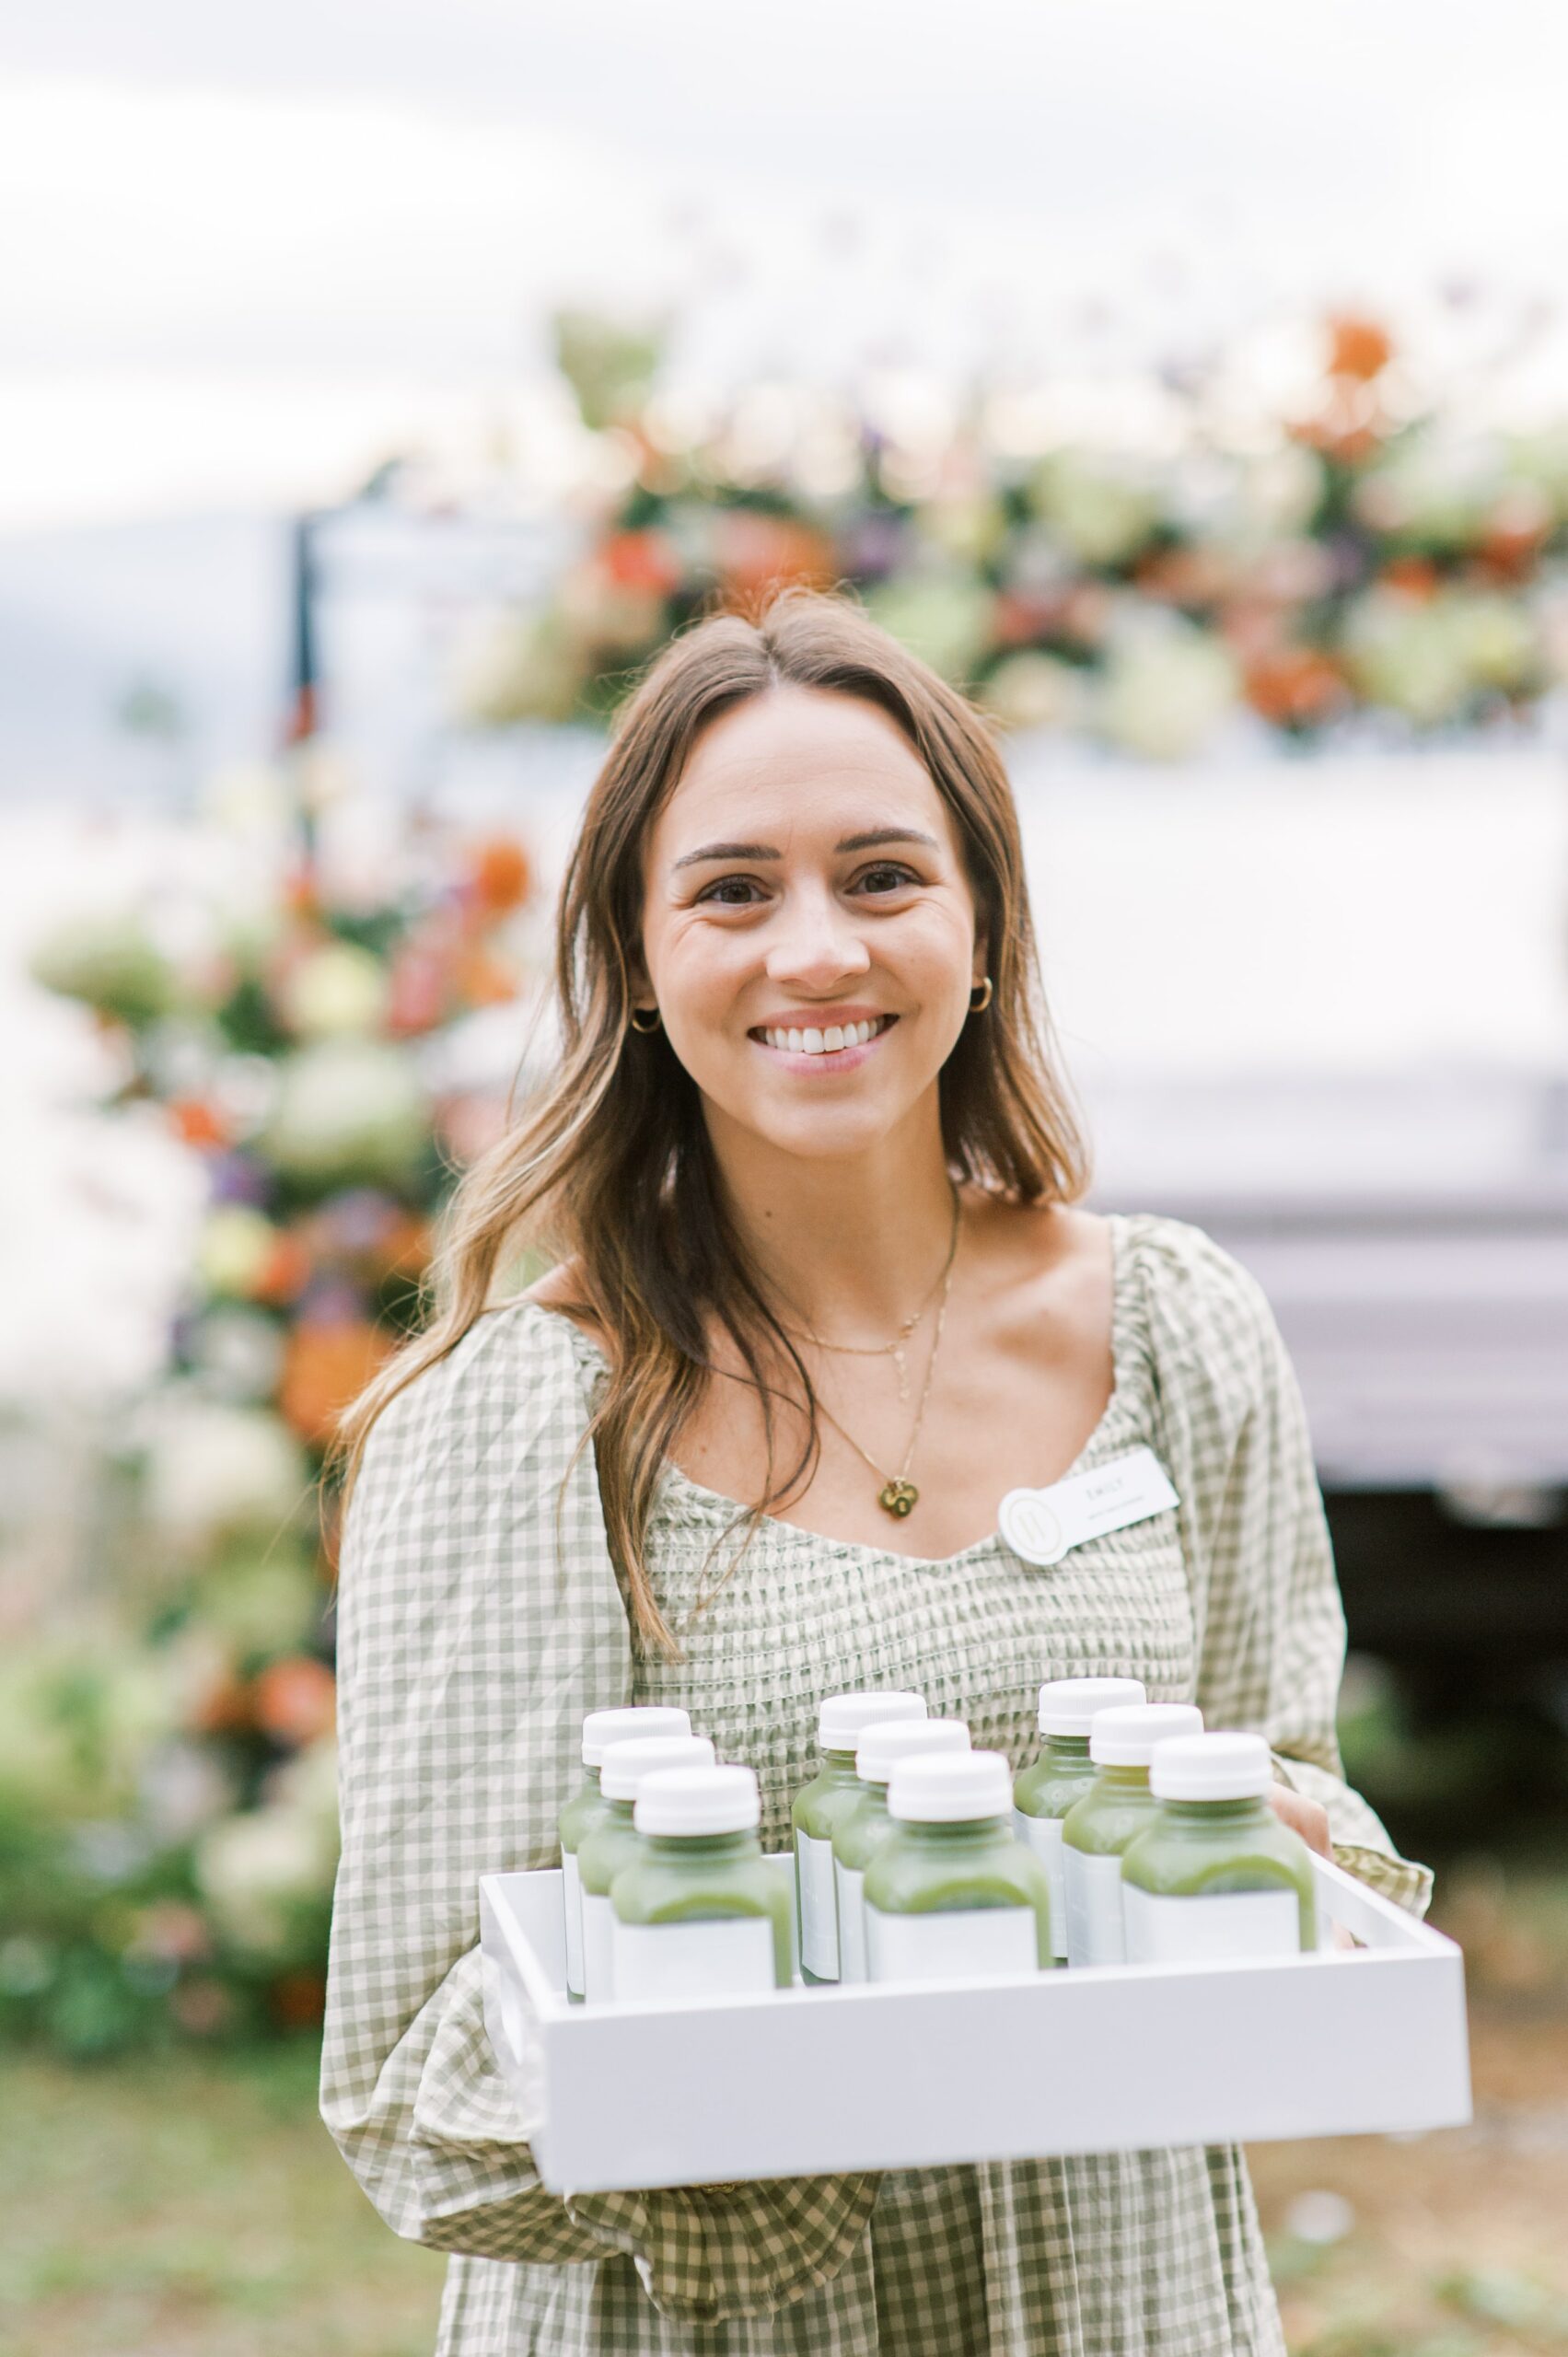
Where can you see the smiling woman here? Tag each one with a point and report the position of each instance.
(809, 1178)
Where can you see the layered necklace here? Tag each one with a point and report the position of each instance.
(898, 1494)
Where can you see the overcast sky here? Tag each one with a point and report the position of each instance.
(245, 251)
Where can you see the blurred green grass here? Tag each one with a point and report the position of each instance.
(185, 2205)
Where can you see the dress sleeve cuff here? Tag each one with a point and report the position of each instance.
(1359, 1844)
(706, 2253)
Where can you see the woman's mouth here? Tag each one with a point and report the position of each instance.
(831, 1043)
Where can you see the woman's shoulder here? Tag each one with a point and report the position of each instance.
(514, 1370)
(1205, 1317)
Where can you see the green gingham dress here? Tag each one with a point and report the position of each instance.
(471, 1643)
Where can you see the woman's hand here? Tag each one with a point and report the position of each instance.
(1309, 1819)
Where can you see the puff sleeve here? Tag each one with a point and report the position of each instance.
(1270, 1623)
(473, 1633)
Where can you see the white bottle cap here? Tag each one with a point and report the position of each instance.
(1127, 1737)
(601, 1728)
(1212, 1768)
(1068, 1704)
(698, 1800)
(842, 1716)
(626, 1764)
(950, 1787)
(899, 1738)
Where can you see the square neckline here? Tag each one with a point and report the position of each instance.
(673, 1477)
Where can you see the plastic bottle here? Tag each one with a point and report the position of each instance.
(866, 1826)
(1112, 1813)
(699, 1911)
(818, 1805)
(1045, 1791)
(951, 1895)
(1216, 1874)
(585, 1808)
(615, 1838)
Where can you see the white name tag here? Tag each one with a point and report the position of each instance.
(1041, 1524)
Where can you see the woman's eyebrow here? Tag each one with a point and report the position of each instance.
(868, 841)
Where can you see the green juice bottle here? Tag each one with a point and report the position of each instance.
(614, 1838)
(950, 1895)
(1044, 1793)
(820, 1806)
(1116, 1807)
(866, 1826)
(586, 1806)
(699, 1911)
(1216, 1874)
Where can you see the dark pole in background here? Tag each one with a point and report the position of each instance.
(304, 714)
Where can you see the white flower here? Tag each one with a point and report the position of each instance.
(348, 1110)
(211, 1467)
(308, 1782)
(258, 1871)
(341, 988)
(1101, 507)
(1165, 691)
(1032, 690)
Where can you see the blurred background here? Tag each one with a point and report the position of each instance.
(378, 391)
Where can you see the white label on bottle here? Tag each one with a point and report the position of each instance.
(1044, 1836)
(1094, 1933)
(572, 1896)
(819, 1906)
(599, 1969)
(1164, 1929)
(849, 1884)
(727, 1958)
(951, 1944)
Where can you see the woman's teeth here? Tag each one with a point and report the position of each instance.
(812, 1042)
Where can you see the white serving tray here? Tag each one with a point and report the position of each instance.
(807, 2082)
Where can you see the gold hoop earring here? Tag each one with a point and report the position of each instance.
(645, 1028)
(979, 1005)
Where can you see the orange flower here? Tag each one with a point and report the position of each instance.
(1413, 576)
(1021, 615)
(224, 1708)
(295, 1700)
(406, 1247)
(752, 550)
(198, 1124)
(324, 1368)
(299, 2000)
(484, 980)
(285, 1271)
(501, 875)
(1294, 684)
(643, 561)
(1358, 347)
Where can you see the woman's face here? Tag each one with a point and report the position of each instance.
(804, 882)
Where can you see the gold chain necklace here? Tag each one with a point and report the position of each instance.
(899, 1494)
(897, 1349)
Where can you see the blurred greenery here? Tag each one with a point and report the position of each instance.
(175, 2205)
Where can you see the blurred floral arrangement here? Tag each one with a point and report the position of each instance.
(1355, 561)
(168, 1803)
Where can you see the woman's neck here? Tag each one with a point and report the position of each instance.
(851, 1246)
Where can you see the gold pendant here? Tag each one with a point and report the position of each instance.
(898, 1498)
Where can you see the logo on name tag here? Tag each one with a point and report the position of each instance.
(1031, 1528)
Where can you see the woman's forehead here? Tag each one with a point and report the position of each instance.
(804, 758)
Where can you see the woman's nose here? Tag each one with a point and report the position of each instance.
(815, 943)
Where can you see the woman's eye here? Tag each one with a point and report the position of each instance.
(729, 886)
(887, 875)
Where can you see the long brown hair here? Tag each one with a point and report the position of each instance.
(611, 1170)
